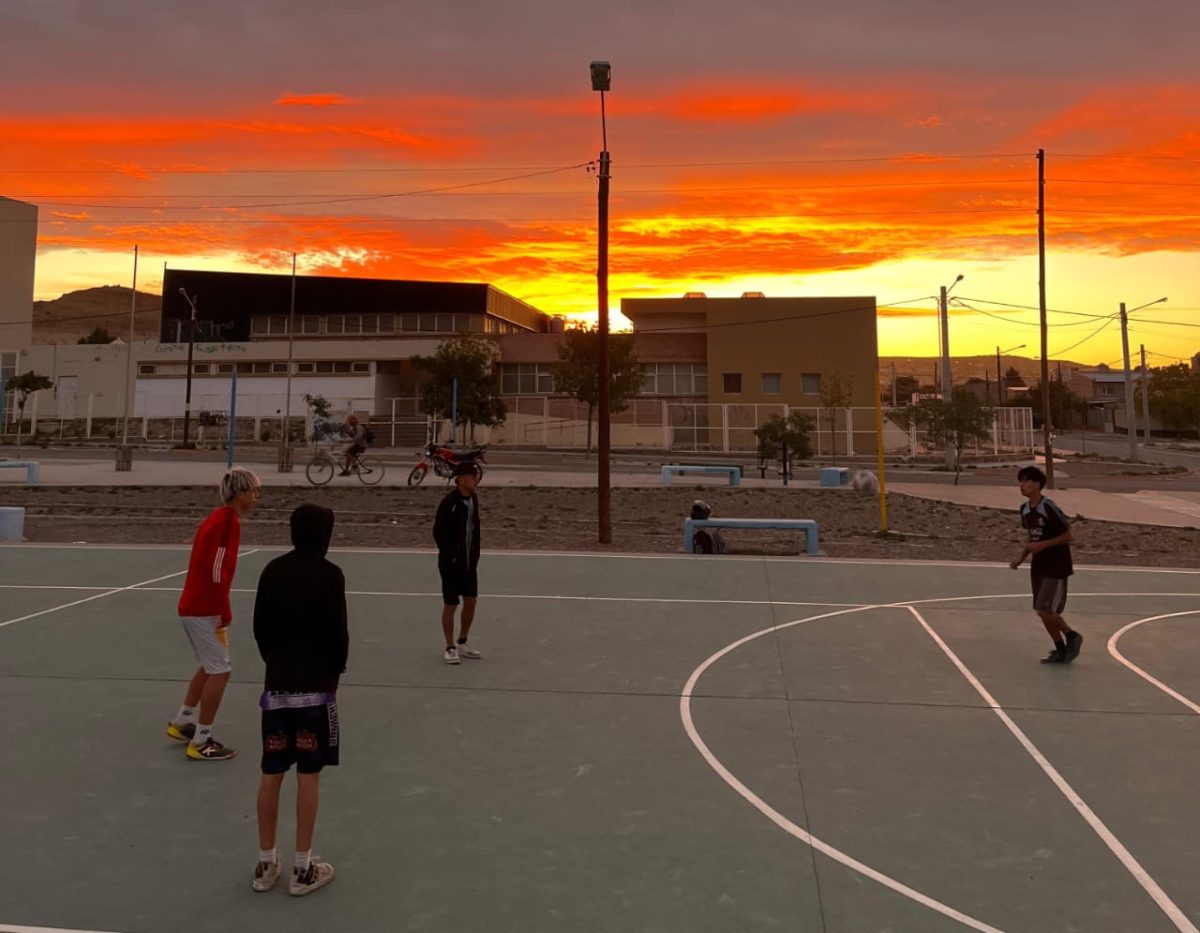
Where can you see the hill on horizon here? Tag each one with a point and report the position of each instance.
(76, 314)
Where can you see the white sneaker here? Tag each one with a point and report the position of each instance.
(265, 875)
(466, 651)
(451, 656)
(318, 875)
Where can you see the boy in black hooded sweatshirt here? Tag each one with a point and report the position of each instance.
(300, 627)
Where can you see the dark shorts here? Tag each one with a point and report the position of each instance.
(458, 582)
(356, 449)
(304, 736)
(1049, 593)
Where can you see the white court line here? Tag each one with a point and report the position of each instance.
(685, 714)
(609, 555)
(57, 586)
(1151, 887)
(11, 928)
(1116, 653)
(88, 599)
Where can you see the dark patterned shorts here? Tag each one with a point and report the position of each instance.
(306, 736)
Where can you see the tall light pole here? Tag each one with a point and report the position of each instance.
(1145, 400)
(285, 442)
(947, 381)
(124, 456)
(999, 382)
(601, 81)
(187, 406)
(1130, 412)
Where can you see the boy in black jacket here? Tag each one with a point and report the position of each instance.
(456, 531)
(300, 627)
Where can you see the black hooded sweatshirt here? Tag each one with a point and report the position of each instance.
(300, 610)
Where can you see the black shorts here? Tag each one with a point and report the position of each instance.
(1049, 593)
(458, 582)
(356, 449)
(306, 736)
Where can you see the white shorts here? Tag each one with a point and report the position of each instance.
(210, 642)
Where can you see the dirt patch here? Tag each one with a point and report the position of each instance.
(644, 521)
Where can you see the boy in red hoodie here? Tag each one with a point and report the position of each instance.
(205, 614)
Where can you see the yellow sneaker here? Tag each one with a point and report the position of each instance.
(182, 733)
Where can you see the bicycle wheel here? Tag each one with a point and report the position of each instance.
(417, 475)
(369, 470)
(320, 470)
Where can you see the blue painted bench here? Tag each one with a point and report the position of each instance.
(29, 466)
(807, 525)
(835, 476)
(733, 472)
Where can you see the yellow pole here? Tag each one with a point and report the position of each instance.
(879, 450)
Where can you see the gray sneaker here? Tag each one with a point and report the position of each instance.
(450, 655)
(265, 875)
(466, 651)
(318, 875)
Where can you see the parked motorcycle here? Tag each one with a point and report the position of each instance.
(442, 460)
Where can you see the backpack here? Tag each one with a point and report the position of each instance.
(368, 435)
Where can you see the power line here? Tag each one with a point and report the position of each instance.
(1066, 350)
(962, 302)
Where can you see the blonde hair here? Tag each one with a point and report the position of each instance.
(238, 480)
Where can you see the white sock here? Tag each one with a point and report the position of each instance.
(203, 734)
(185, 715)
(302, 861)
(268, 855)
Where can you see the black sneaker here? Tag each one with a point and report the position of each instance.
(1074, 643)
(1057, 656)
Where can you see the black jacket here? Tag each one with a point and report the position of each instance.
(300, 610)
(450, 531)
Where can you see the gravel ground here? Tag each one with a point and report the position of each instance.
(644, 521)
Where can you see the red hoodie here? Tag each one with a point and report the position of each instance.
(212, 565)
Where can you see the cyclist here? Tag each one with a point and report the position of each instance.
(358, 441)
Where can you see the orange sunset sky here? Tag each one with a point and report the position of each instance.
(795, 148)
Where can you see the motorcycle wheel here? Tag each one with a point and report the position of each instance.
(417, 474)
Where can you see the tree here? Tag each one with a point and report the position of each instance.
(323, 422)
(25, 385)
(960, 421)
(1175, 396)
(905, 388)
(577, 372)
(776, 432)
(835, 394)
(1064, 404)
(1012, 377)
(98, 335)
(471, 360)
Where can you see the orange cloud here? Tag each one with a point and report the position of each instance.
(315, 100)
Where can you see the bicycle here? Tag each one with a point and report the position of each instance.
(322, 468)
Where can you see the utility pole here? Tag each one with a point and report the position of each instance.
(947, 378)
(893, 385)
(1047, 445)
(1130, 415)
(124, 455)
(1145, 383)
(187, 407)
(999, 381)
(601, 81)
(285, 442)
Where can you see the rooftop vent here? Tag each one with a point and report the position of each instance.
(753, 295)
(694, 295)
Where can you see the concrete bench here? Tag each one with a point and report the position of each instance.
(29, 466)
(671, 469)
(807, 525)
(12, 524)
(835, 476)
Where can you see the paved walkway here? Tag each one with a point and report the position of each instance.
(1147, 507)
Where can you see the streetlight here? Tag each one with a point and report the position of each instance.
(999, 390)
(601, 81)
(947, 383)
(187, 407)
(1130, 413)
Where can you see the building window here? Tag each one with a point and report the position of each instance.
(340, 367)
(306, 367)
(147, 369)
(674, 379)
(279, 368)
(810, 383)
(309, 324)
(409, 323)
(244, 369)
(261, 368)
(325, 366)
(772, 383)
(526, 379)
(199, 369)
(360, 367)
(731, 383)
(225, 368)
(387, 323)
